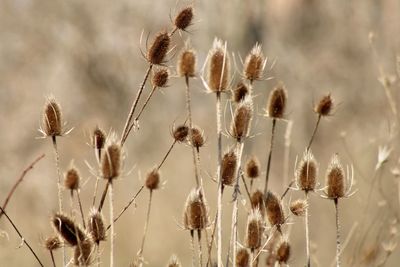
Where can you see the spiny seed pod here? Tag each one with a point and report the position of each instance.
(96, 226)
(68, 229)
(242, 119)
(307, 172)
(253, 65)
(159, 48)
(253, 168)
(71, 180)
(180, 133)
(52, 243)
(111, 161)
(298, 207)
(335, 179)
(153, 179)
(219, 67)
(270, 260)
(242, 258)
(228, 168)
(254, 230)
(184, 18)
(274, 209)
(195, 215)
(82, 253)
(98, 138)
(52, 118)
(277, 102)
(197, 139)
(160, 78)
(257, 202)
(283, 252)
(324, 106)
(187, 63)
(240, 92)
(174, 262)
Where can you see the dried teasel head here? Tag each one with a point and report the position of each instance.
(96, 227)
(184, 18)
(197, 139)
(111, 162)
(240, 92)
(187, 63)
(98, 138)
(274, 209)
(83, 253)
(254, 64)
(257, 202)
(242, 119)
(72, 178)
(159, 48)
(160, 77)
(298, 207)
(277, 102)
(228, 168)
(218, 67)
(153, 179)
(52, 124)
(283, 252)
(52, 243)
(254, 230)
(242, 258)
(324, 106)
(307, 172)
(195, 214)
(180, 133)
(253, 167)
(69, 230)
(174, 262)
(336, 182)
(270, 260)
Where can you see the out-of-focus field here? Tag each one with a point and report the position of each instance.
(87, 54)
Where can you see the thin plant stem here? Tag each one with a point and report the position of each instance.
(220, 186)
(286, 153)
(337, 233)
(80, 208)
(314, 132)
(103, 197)
(146, 102)
(167, 154)
(146, 224)
(245, 186)
(212, 241)
(52, 258)
(200, 248)
(192, 248)
(271, 144)
(287, 189)
(307, 225)
(112, 246)
(22, 238)
(96, 186)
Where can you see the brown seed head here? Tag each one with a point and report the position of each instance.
(68, 229)
(270, 260)
(180, 133)
(298, 207)
(174, 262)
(184, 18)
(242, 258)
(274, 209)
(96, 226)
(195, 215)
(242, 119)
(197, 139)
(253, 66)
(324, 106)
(283, 252)
(335, 179)
(228, 168)
(52, 118)
(187, 63)
(257, 202)
(253, 168)
(277, 102)
(98, 138)
(71, 180)
(153, 179)
(52, 243)
(218, 69)
(82, 253)
(240, 92)
(159, 48)
(160, 77)
(111, 161)
(254, 229)
(307, 172)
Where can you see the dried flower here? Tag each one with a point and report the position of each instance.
(159, 48)
(242, 119)
(324, 106)
(228, 168)
(242, 258)
(180, 133)
(68, 229)
(82, 253)
(254, 64)
(257, 202)
(184, 18)
(160, 77)
(253, 168)
(52, 243)
(195, 214)
(298, 207)
(277, 102)
(98, 138)
(187, 63)
(274, 209)
(96, 226)
(283, 252)
(336, 181)
(197, 139)
(219, 67)
(240, 92)
(174, 262)
(111, 161)
(307, 172)
(71, 180)
(254, 229)
(153, 179)
(52, 119)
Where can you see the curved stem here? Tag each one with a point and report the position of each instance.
(140, 254)
(271, 144)
(314, 132)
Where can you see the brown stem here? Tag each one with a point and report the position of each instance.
(337, 233)
(287, 189)
(314, 132)
(146, 102)
(246, 188)
(103, 196)
(167, 154)
(81, 209)
(140, 254)
(200, 248)
(271, 144)
(52, 258)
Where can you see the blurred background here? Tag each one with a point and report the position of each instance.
(87, 55)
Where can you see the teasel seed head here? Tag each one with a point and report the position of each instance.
(180, 133)
(274, 209)
(197, 139)
(218, 67)
(298, 207)
(70, 231)
(174, 262)
(240, 92)
(98, 138)
(254, 229)
(160, 78)
(254, 63)
(159, 48)
(270, 260)
(72, 178)
(52, 243)
(283, 252)
(195, 215)
(335, 179)
(242, 119)
(257, 202)
(277, 102)
(184, 18)
(153, 179)
(253, 168)
(243, 258)
(228, 168)
(111, 161)
(83, 253)
(187, 63)
(52, 119)
(324, 106)
(96, 226)
(307, 172)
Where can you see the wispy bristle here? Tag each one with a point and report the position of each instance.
(228, 168)
(335, 179)
(153, 179)
(71, 180)
(283, 252)
(184, 18)
(52, 118)
(219, 67)
(83, 253)
(253, 167)
(307, 172)
(277, 102)
(298, 207)
(52, 243)
(254, 229)
(242, 258)
(160, 77)
(257, 202)
(253, 65)
(159, 48)
(180, 133)
(240, 92)
(187, 63)
(274, 209)
(242, 119)
(96, 226)
(111, 161)
(195, 215)
(68, 229)
(324, 106)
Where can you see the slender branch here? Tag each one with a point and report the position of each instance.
(167, 154)
(81, 209)
(245, 186)
(111, 198)
(192, 248)
(103, 197)
(314, 132)
(146, 102)
(307, 232)
(146, 224)
(220, 186)
(52, 258)
(200, 248)
(337, 233)
(287, 189)
(271, 144)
